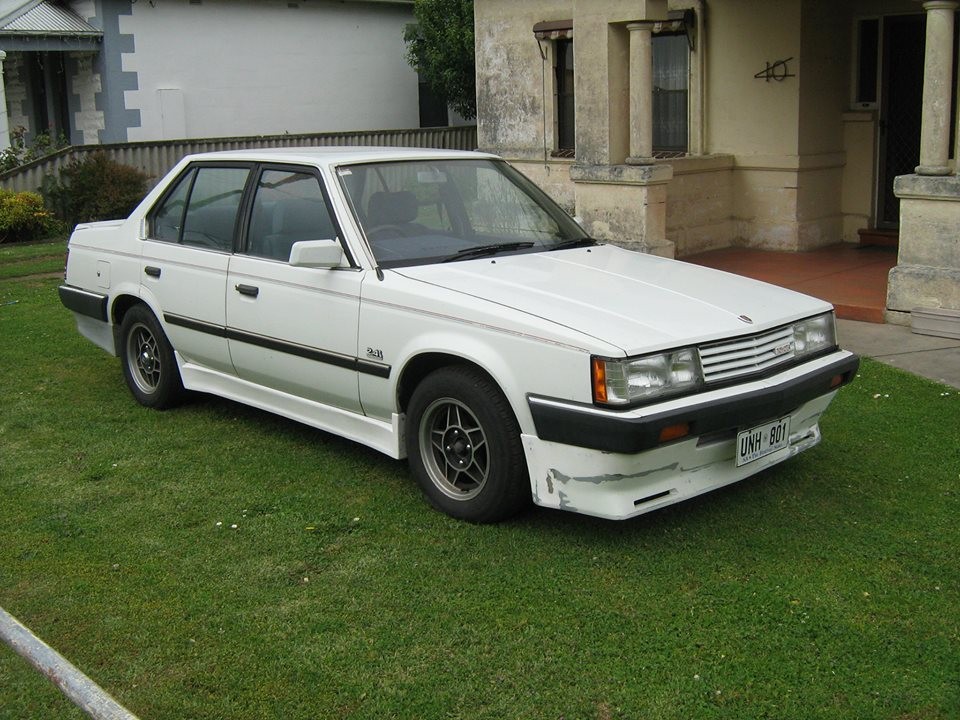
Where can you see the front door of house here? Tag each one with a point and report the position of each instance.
(901, 104)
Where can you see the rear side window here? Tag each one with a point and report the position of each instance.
(202, 209)
(168, 219)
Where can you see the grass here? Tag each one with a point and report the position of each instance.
(32, 259)
(825, 588)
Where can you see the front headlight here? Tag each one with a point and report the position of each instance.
(814, 335)
(632, 380)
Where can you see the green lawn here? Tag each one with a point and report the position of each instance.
(32, 259)
(825, 588)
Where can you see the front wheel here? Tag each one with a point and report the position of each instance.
(463, 443)
(148, 362)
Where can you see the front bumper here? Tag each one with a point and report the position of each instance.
(611, 464)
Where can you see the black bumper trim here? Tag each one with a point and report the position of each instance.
(84, 302)
(599, 429)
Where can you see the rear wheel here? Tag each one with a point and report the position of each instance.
(463, 443)
(148, 362)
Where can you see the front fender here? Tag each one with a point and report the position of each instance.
(517, 364)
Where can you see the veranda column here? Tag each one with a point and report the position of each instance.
(956, 149)
(937, 88)
(641, 93)
(4, 121)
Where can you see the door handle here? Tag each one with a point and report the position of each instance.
(248, 290)
(152, 271)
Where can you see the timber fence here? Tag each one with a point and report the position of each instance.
(157, 157)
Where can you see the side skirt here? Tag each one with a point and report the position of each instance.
(377, 434)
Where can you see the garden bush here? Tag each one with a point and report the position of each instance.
(95, 188)
(22, 151)
(23, 217)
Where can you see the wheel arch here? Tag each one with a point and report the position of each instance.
(421, 365)
(121, 304)
(482, 358)
(119, 307)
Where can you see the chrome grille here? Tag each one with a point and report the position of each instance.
(746, 355)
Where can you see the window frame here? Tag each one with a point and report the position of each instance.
(669, 152)
(856, 75)
(194, 169)
(548, 34)
(250, 198)
(560, 121)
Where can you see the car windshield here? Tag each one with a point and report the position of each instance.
(429, 211)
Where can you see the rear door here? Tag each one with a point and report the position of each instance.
(191, 234)
(293, 329)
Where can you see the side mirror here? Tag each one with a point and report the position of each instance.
(316, 254)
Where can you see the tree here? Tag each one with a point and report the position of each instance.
(440, 48)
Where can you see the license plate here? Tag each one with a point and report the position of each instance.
(760, 441)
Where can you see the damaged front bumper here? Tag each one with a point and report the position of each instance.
(611, 464)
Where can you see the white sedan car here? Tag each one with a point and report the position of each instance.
(438, 306)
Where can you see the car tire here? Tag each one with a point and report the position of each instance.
(464, 448)
(147, 359)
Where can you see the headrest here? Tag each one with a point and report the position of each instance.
(392, 208)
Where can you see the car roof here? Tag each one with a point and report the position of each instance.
(336, 155)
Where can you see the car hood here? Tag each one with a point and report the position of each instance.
(630, 300)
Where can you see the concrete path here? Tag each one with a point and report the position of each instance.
(930, 357)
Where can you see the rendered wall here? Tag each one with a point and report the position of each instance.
(788, 167)
(514, 82)
(859, 173)
(699, 203)
(248, 67)
(787, 134)
(748, 117)
(554, 178)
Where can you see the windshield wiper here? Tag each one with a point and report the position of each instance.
(578, 242)
(481, 250)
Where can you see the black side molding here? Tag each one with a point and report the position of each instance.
(367, 367)
(84, 302)
(601, 429)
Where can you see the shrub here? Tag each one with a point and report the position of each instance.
(95, 188)
(23, 217)
(20, 152)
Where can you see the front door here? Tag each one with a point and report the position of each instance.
(900, 109)
(293, 329)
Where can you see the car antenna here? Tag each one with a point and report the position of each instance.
(379, 273)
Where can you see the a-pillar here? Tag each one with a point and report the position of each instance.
(937, 88)
(641, 93)
(4, 120)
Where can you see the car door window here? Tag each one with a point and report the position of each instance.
(169, 217)
(212, 211)
(288, 207)
(202, 208)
